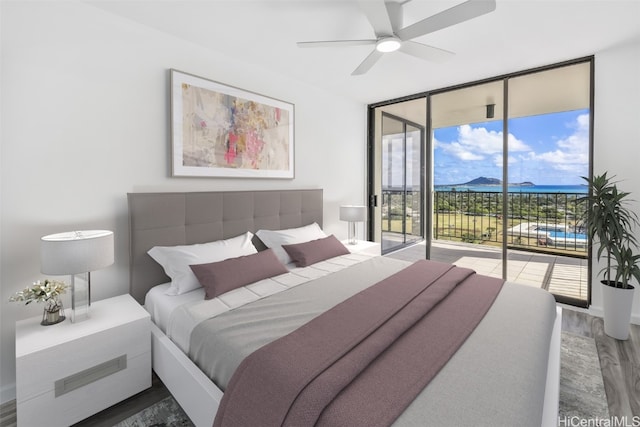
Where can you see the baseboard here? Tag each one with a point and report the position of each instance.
(7, 393)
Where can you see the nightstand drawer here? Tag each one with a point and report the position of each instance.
(60, 361)
(87, 400)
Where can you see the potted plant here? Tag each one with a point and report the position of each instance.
(610, 223)
(48, 292)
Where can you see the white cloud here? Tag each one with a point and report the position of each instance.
(460, 151)
(477, 143)
(498, 159)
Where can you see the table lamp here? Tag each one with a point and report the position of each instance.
(77, 253)
(353, 214)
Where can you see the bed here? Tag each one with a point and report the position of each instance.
(169, 219)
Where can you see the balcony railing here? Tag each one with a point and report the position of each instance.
(543, 222)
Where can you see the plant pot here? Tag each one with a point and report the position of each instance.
(617, 304)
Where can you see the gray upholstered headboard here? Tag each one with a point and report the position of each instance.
(168, 219)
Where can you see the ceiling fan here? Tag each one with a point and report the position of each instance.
(386, 19)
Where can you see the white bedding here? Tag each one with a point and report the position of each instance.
(174, 373)
(177, 315)
(160, 306)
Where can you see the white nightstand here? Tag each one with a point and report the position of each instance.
(363, 246)
(70, 371)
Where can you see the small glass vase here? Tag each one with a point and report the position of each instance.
(53, 315)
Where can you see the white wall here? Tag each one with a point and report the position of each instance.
(85, 109)
(617, 134)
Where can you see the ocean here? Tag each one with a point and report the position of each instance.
(581, 189)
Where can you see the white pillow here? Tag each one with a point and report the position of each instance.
(176, 259)
(274, 239)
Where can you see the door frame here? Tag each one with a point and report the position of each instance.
(422, 147)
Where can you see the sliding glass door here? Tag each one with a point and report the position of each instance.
(402, 182)
(468, 151)
(504, 157)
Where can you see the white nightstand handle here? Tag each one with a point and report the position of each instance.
(82, 378)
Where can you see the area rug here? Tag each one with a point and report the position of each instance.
(165, 413)
(582, 395)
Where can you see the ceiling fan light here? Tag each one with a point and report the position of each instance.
(388, 44)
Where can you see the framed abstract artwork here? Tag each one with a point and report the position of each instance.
(222, 131)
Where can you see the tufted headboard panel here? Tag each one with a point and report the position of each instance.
(169, 219)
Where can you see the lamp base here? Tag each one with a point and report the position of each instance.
(352, 233)
(79, 297)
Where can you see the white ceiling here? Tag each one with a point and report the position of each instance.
(518, 35)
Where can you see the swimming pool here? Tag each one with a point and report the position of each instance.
(550, 229)
(564, 235)
(560, 233)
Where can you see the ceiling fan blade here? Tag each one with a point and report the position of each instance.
(368, 62)
(455, 15)
(376, 13)
(334, 43)
(394, 10)
(423, 51)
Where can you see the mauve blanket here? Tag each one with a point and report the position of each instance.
(366, 359)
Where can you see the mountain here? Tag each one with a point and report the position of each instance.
(483, 181)
(495, 181)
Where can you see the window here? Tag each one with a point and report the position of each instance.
(503, 161)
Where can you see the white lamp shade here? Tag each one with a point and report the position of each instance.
(76, 252)
(353, 213)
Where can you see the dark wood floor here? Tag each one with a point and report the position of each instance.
(619, 360)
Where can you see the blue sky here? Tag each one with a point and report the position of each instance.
(550, 149)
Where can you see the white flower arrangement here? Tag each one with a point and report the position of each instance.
(48, 292)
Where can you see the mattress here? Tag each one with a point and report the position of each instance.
(177, 315)
(160, 306)
(496, 378)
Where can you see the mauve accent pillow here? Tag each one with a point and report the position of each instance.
(307, 253)
(220, 277)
